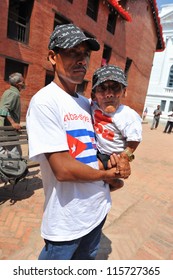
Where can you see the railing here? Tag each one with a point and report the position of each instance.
(17, 31)
(169, 91)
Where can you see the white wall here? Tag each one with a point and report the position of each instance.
(157, 89)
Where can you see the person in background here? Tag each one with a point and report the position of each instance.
(169, 124)
(10, 107)
(145, 114)
(62, 140)
(157, 113)
(118, 128)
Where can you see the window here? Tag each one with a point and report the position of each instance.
(49, 77)
(60, 20)
(170, 79)
(106, 55)
(81, 88)
(170, 106)
(127, 66)
(12, 66)
(92, 9)
(19, 14)
(112, 19)
(163, 104)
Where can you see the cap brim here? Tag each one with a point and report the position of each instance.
(109, 79)
(93, 44)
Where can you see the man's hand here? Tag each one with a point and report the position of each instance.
(16, 126)
(122, 165)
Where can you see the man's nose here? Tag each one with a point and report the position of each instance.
(108, 93)
(83, 59)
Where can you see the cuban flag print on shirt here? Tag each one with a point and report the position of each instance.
(82, 145)
(80, 132)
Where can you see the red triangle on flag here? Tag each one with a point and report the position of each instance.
(75, 146)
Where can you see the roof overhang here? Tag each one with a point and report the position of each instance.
(125, 14)
(160, 43)
(120, 9)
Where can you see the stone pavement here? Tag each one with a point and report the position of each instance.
(139, 225)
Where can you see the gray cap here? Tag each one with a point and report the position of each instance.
(68, 36)
(109, 73)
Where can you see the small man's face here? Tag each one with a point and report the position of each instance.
(108, 95)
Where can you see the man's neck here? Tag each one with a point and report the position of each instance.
(67, 87)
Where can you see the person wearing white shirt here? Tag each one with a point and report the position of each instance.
(169, 124)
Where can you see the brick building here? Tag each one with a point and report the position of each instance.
(128, 31)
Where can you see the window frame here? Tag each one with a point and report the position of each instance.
(111, 24)
(170, 78)
(92, 9)
(12, 66)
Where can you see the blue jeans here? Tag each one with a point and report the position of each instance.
(83, 248)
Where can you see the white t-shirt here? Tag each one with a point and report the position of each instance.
(170, 119)
(57, 121)
(115, 129)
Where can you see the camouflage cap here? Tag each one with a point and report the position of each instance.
(109, 73)
(68, 36)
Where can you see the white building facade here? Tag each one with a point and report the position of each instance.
(160, 89)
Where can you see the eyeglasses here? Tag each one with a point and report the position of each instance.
(116, 87)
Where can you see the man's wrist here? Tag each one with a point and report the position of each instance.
(127, 153)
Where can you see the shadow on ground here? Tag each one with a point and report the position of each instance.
(22, 190)
(105, 248)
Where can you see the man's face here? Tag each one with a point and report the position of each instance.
(71, 64)
(21, 84)
(108, 95)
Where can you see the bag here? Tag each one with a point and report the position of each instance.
(12, 168)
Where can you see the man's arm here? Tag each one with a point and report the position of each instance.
(13, 123)
(66, 168)
(9, 102)
(131, 146)
(129, 150)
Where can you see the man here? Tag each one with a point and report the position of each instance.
(145, 114)
(169, 124)
(61, 138)
(157, 113)
(118, 127)
(10, 106)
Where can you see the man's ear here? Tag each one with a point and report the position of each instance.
(125, 92)
(51, 57)
(93, 96)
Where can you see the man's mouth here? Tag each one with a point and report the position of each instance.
(80, 69)
(109, 102)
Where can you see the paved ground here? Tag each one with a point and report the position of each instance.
(139, 226)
